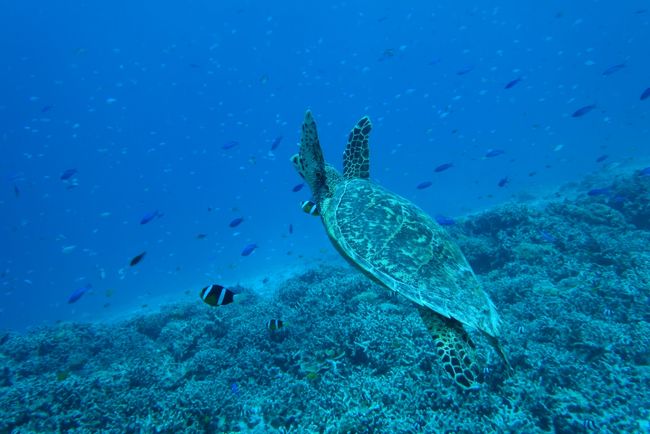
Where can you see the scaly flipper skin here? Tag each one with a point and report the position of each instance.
(454, 348)
(309, 161)
(356, 158)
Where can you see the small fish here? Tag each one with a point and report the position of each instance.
(229, 145)
(602, 158)
(250, 248)
(547, 237)
(444, 221)
(68, 173)
(599, 192)
(290, 228)
(274, 324)
(276, 143)
(201, 236)
(4, 338)
(310, 207)
(150, 216)
(217, 295)
(443, 167)
(613, 69)
(423, 185)
(645, 171)
(298, 187)
(236, 222)
(465, 70)
(583, 110)
(234, 388)
(503, 181)
(494, 153)
(137, 259)
(47, 108)
(16, 191)
(645, 94)
(512, 83)
(78, 293)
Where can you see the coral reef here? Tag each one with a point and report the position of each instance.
(571, 280)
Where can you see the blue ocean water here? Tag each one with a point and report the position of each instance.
(142, 98)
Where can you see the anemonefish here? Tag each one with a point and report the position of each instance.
(274, 324)
(217, 295)
(310, 207)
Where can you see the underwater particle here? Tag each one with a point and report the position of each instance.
(423, 185)
(491, 153)
(68, 173)
(236, 222)
(443, 167)
(645, 94)
(78, 293)
(150, 216)
(276, 142)
(137, 259)
(512, 83)
(310, 207)
(217, 295)
(613, 69)
(229, 144)
(274, 324)
(296, 188)
(250, 248)
(110, 100)
(68, 249)
(583, 111)
(444, 221)
(503, 181)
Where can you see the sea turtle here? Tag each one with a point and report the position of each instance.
(399, 246)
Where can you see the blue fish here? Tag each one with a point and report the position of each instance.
(465, 70)
(236, 222)
(249, 249)
(547, 237)
(599, 192)
(290, 228)
(444, 221)
(494, 153)
(645, 94)
(645, 172)
(77, 294)
(583, 110)
(230, 144)
(298, 187)
(443, 167)
(68, 173)
(276, 143)
(602, 158)
(423, 185)
(234, 388)
(512, 83)
(503, 181)
(614, 68)
(150, 216)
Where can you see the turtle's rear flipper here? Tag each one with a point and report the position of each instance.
(454, 349)
(309, 161)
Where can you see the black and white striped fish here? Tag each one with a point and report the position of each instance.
(310, 207)
(217, 295)
(274, 324)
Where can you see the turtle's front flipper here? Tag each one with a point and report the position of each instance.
(309, 161)
(356, 158)
(453, 347)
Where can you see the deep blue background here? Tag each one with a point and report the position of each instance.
(140, 97)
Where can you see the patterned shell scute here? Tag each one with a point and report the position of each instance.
(403, 248)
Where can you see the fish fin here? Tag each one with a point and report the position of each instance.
(454, 348)
(356, 158)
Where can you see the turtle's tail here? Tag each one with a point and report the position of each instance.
(309, 162)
